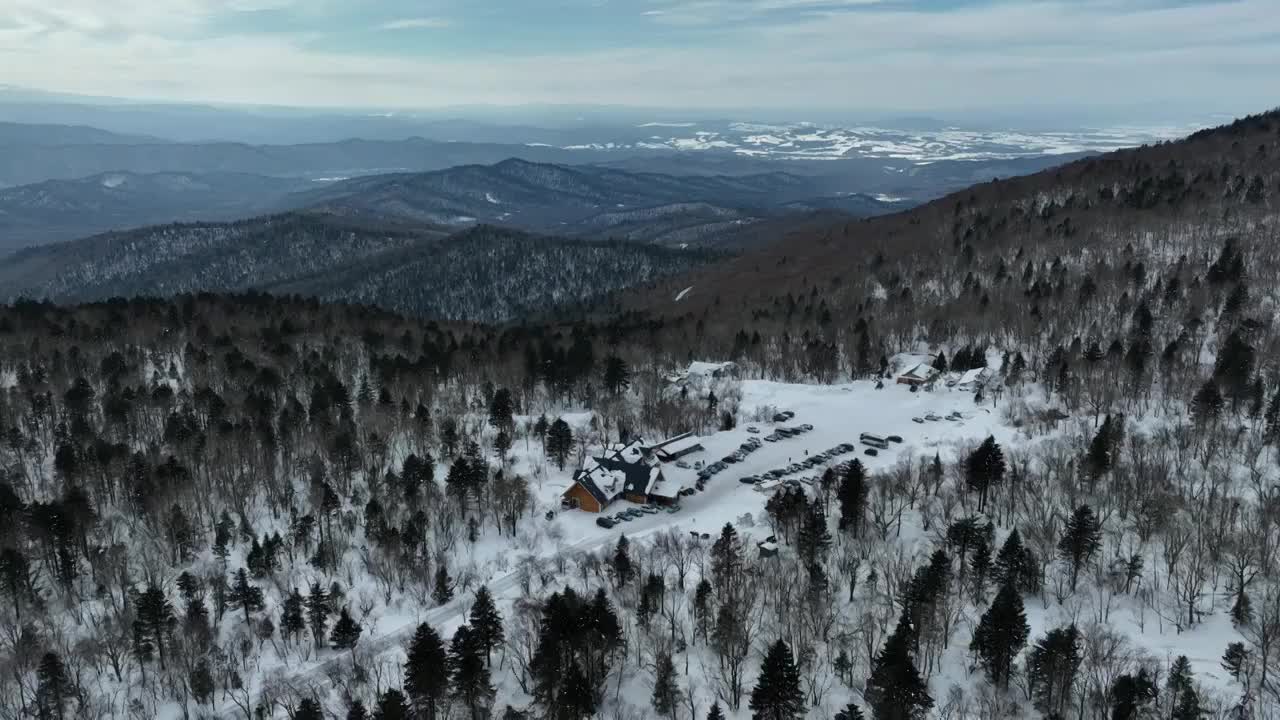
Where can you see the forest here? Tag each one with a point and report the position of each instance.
(252, 506)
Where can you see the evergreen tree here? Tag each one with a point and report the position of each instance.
(1017, 564)
(815, 539)
(318, 611)
(346, 631)
(486, 623)
(617, 376)
(895, 689)
(853, 499)
(153, 618)
(424, 678)
(1098, 460)
(16, 578)
(577, 699)
(985, 468)
(559, 442)
(55, 687)
(777, 694)
(1234, 367)
(392, 706)
(468, 676)
(1001, 634)
(308, 709)
(940, 362)
(1188, 707)
(357, 711)
(849, 712)
(244, 595)
(1181, 678)
(623, 570)
(501, 411)
(201, 682)
(1081, 540)
(1207, 404)
(292, 621)
(1052, 667)
(442, 590)
(1235, 659)
(666, 694)
(1130, 694)
(715, 713)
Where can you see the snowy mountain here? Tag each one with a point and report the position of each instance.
(67, 209)
(483, 274)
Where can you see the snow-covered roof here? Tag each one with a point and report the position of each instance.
(973, 376)
(679, 444)
(920, 371)
(710, 368)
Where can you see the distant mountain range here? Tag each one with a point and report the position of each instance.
(67, 209)
(580, 201)
(483, 273)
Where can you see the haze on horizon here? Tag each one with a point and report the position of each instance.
(777, 56)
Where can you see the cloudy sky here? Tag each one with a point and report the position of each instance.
(912, 55)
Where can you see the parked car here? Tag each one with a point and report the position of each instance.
(697, 464)
(772, 438)
(780, 417)
(649, 509)
(806, 427)
(605, 522)
(931, 417)
(871, 451)
(621, 518)
(729, 459)
(894, 438)
(673, 509)
(753, 429)
(687, 492)
(747, 479)
(917, 420)
(682, 464)
(787, 414)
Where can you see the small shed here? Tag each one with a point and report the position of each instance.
(674, 448)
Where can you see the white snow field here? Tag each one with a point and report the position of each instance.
(545, 551)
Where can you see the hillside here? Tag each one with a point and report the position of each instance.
(1002, 249)
(58, 210)
(485, 274)
(580, 201)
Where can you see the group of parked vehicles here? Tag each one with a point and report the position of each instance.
(809, 462)
(608, 521)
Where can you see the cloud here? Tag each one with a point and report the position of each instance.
(425, 23)
(804, 55)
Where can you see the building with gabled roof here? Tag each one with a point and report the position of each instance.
(631, 471)
(918, 374)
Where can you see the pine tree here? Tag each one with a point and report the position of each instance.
(1207, 404)
(486, 623)
(1181, 678)
(617, 376)
(1235, 659)
(1052, 667)
(392, 706)
(318, 611)
(576, 699)
(1017, 564)
(308, 709)
(715, 713)
(777, 694)
(442, 591)
(559, 442)
(815, 539)
(849, 712)
(244, 595)
(153, 617)
(1001, 634)
(940, 362)
(468, 676)
(1130, 694)
(666, 694)
(1188, 707)
(55, 687)
(895, 689)
(853, 499)
(201, 682)
(501, 411)
(984, 469)
(623, 570)
(357, 711)
(292, 621)
(424, 676)
(1081, 540)
(346, 631)
(843, 665)
(1098, 460)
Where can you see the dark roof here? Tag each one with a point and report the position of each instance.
(637, 473)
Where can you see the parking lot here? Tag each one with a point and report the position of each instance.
(824, 430)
